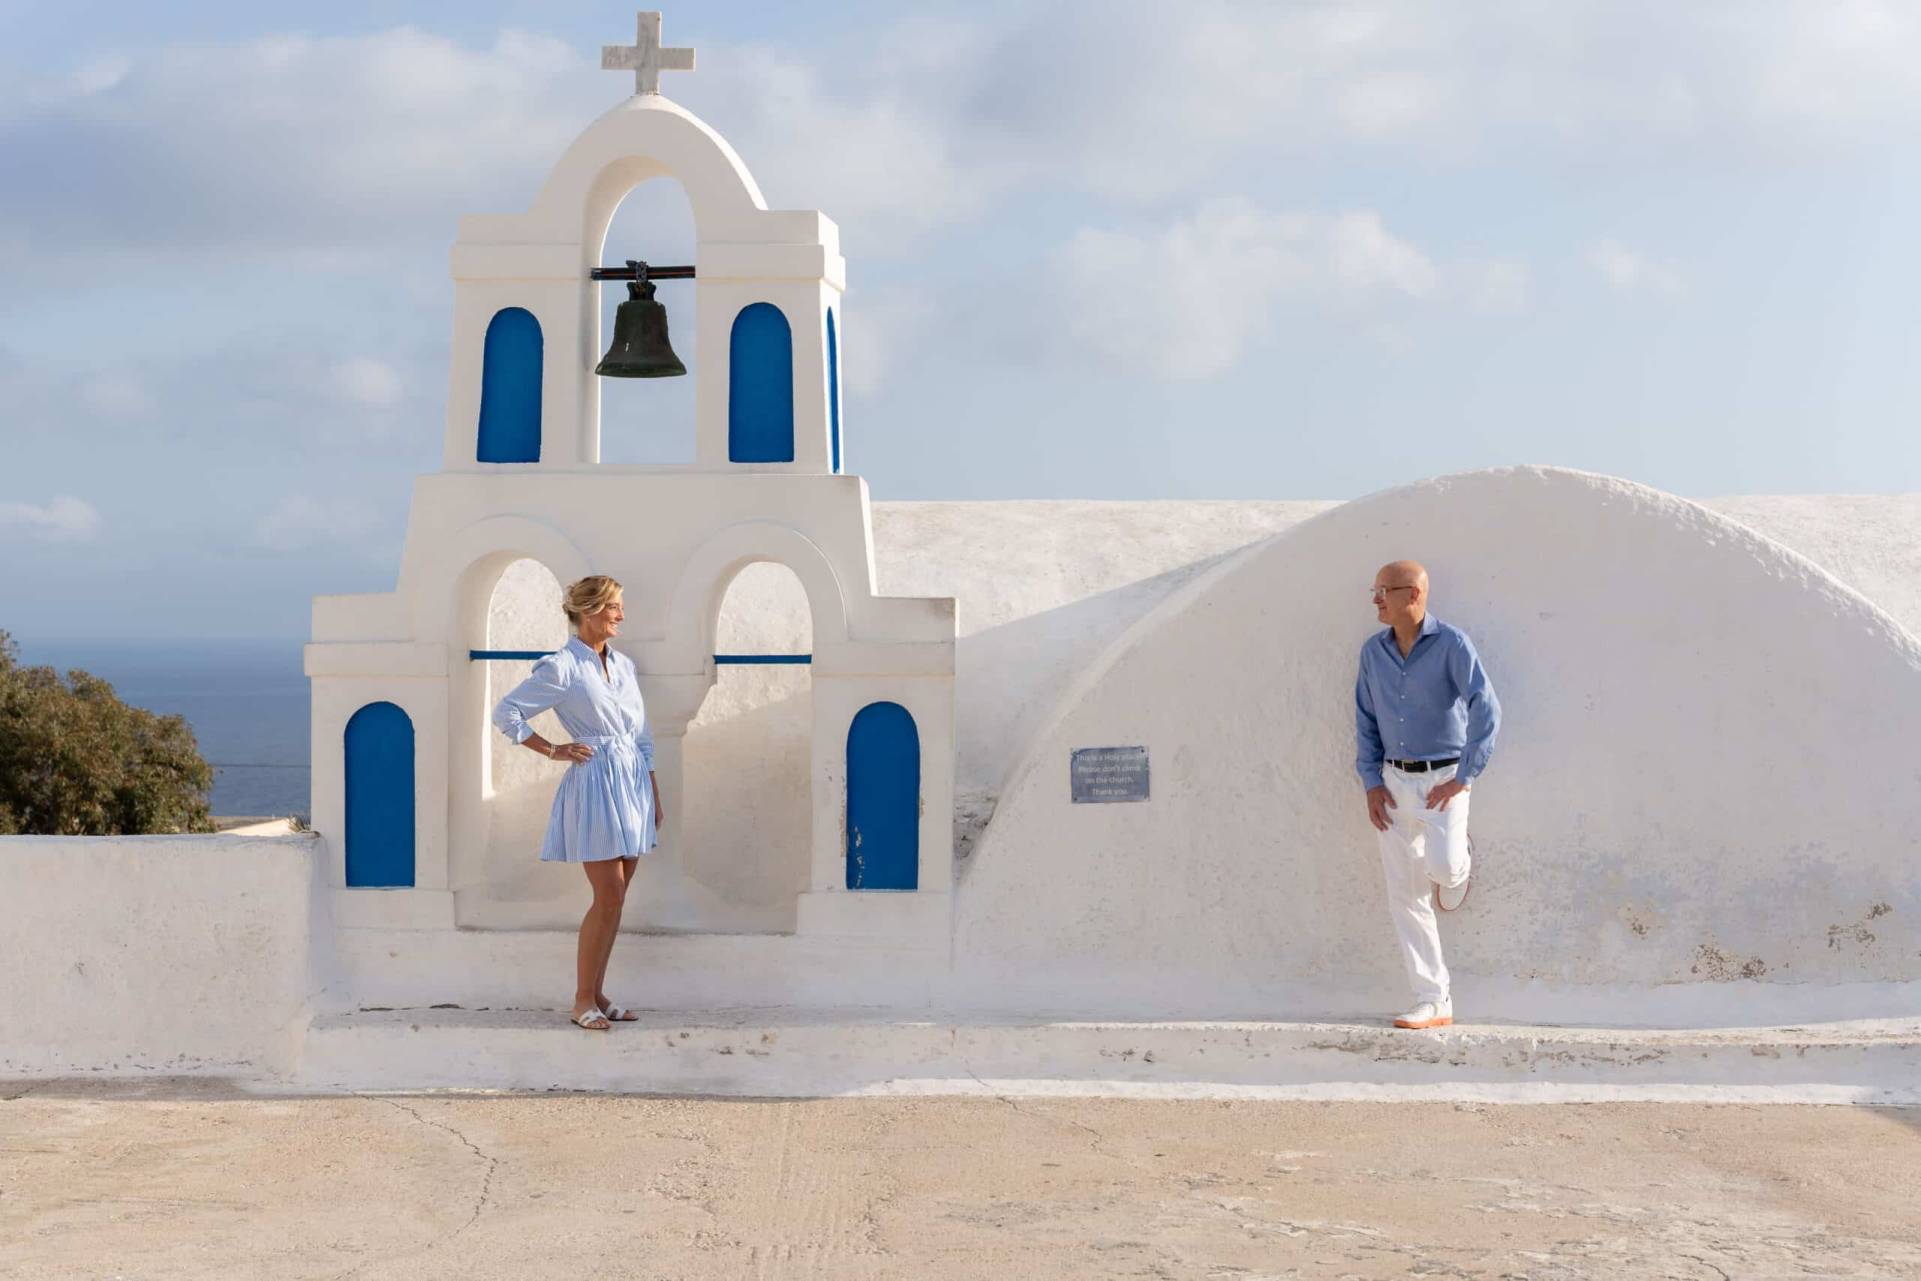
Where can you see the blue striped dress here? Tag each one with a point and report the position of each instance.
(605, 808)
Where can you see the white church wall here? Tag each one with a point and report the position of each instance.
(1045, 586)
(156, 953)
(1704, 776)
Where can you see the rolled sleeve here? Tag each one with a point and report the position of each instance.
(543, 688)
(1483, 709)
(644, 742)
(1369, 754)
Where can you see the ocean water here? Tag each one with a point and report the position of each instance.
(246, 701)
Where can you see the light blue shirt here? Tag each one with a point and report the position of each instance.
(1434, 704)
(603, 808)
(592, 704)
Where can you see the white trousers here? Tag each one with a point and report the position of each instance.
(1421, 849)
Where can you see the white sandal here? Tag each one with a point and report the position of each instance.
(587, 1016)
(619, 1014)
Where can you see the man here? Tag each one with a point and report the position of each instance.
(1425, 719)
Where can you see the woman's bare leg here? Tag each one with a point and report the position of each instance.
(597, 930)
(626, 866)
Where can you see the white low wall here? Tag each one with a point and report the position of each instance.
(155, 953)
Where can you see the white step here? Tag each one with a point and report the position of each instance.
(790, 1052)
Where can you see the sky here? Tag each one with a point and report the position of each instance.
(1292, 249)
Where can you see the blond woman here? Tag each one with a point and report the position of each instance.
(607, 809)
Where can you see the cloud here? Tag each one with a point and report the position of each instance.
(1497, 287)
(1185, 300)
(288, 141)
(1132, 104)
(301, 523)
(384, 138)
(115, 396)
(365, 381)
(883, 327)
(63, 520)
(1630, 271)
(884, 158)
(316, 398)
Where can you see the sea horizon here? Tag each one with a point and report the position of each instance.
(246, 700)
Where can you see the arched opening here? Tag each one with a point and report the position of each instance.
(760, 386)
(511, 360)
(747, 830)
(379, 749)
(883, 799)
(502, 885)
(650, 420)
(833, 388)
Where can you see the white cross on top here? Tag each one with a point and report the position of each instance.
(645, 58)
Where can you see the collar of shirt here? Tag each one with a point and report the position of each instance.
(1430, 625)
(587, 654)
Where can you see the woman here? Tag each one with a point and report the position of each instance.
(607, 809)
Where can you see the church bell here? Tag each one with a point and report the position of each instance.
(640, 348)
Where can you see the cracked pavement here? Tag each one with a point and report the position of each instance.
(195, 1178)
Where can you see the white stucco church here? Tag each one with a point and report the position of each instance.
(402, 681)
(884, 865)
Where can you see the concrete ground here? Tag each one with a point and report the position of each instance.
(166, 1179)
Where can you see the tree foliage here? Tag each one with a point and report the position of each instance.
(76, 761)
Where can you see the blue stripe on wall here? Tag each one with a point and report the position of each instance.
(379, 747)
(510, 389)
(833, 388)
(883, 799)
(760, 387)
(531, 654)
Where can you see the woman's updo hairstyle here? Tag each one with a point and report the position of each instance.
(588, 596)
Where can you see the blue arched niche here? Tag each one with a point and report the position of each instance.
(760, 387)
(883, 799)
(510, 389)
(833, 387)
(380, 797)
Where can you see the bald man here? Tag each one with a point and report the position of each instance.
(1425, 717)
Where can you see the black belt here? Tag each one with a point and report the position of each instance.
(1422, 767)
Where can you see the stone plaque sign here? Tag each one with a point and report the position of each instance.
(1103, 774)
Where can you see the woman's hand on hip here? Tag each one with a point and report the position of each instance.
(573, 753)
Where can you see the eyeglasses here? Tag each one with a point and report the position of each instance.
(1380, 593)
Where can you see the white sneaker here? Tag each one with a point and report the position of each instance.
(1448, 899)
(1428, 1014)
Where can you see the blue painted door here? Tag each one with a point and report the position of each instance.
(883, 799)
(380, 797)
(760, 387)
(510, 389)
(833, 387)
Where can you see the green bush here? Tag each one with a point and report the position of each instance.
(76, 761)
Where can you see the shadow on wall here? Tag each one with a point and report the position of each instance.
(1704, 776)
(748, 772)
(748, 792)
